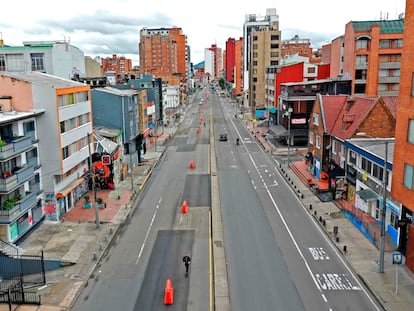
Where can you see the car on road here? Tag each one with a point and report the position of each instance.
(223, 136)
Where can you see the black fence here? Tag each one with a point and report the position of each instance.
(20, 297)
(17, 274)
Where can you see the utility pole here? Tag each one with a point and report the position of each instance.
(288, 155)
(130, 165)
(383, 211)
(91, 173)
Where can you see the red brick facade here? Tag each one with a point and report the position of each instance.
(404, 151)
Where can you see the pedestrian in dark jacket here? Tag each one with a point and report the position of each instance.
(186, 260)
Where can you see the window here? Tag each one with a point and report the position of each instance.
(311, 70)
(409, 176)
(334, 146)
(361, 60)
(83, 142)
(361, 44)
(65, 152)
(318, 142)
(411, 131)
(62, 127)
(73, 148)
(311, 138)
(412, 85)
(72, 123)
(316, 119)
(377, 172)
(274, 37)
(352, 157)
(384, 44)
(37, 61)
(71, 99)
(14, 62)
(366, 165)
(274, 45)
(2, 63)
(398, 43)
(383, 73)
(80, 120)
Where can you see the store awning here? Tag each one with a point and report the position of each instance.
(278, 131)
(68, 189)
(367, 195)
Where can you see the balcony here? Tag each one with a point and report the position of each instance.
(10, 179)
(13, 208)
(389, 80)
(9, 148)
(390, 65)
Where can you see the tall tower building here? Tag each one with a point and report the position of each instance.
(262, 48)
(214, 58)
(163, 53)
(233, 65)
(230, 59)
(402, 187)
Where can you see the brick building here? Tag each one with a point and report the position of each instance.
(369, 53)
(296, 45)
(163, 53)
(119, 66)
(403, 166)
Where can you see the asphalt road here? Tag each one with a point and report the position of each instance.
(149, 248)
(277, 256)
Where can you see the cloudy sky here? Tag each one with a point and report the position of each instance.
(106, 27)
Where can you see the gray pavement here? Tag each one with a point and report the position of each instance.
(84, 244)
(361, 255)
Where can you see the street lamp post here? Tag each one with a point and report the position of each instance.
(383, 211)
(288, 143)
(92, 174)
(384, 206)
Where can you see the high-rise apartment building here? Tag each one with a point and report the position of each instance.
(233, 64)
(163, 53)
(262, 48)
(402, 188)
(230, 60)
(214, 56)
(369, 53)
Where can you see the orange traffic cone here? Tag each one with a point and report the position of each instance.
(184, 208)
(192, 165)
(169, 293)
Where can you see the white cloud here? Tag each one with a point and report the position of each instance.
(102, 28)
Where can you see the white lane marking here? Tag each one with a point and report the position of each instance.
(318, 253)
(315, 281)
(147, 233)
(335, 281)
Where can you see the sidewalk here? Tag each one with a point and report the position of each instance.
(77, 242)
(361, 254)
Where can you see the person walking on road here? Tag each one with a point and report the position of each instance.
(186, 260)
